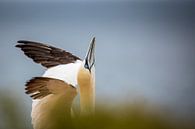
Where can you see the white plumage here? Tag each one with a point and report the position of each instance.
(65, 72)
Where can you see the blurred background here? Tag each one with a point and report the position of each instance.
(144, 53)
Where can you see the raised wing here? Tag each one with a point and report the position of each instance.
(46, 55)
(39, 87)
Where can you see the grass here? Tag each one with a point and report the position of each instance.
(131, 116)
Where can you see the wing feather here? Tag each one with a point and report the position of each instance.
(46, 55)
(39, 87)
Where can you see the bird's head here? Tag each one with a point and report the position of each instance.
(86, 80)
(87, 67)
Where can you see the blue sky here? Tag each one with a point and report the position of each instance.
(144, 49)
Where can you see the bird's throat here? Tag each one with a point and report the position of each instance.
(87, 92)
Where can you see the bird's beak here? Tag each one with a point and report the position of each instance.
(90, 57)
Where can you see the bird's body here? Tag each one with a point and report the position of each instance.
(66, 77)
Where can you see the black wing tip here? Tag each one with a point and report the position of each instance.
(21, 43)
(25, 41)
(18, 45)
(93, 39)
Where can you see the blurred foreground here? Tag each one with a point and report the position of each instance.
(135, 116)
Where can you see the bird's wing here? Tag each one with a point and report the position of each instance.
(40, 87)
(46, 55)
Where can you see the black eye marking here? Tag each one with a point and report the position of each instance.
(86, 65)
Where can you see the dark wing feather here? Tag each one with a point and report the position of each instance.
(46, 55)
(39, 87)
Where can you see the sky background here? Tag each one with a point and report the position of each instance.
(144, 50)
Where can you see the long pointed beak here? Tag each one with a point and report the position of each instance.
(90, 57)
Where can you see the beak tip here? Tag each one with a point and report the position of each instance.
(93, 40)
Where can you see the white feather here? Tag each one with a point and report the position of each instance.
(65, 72)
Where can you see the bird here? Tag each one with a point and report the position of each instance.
(66, 77)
